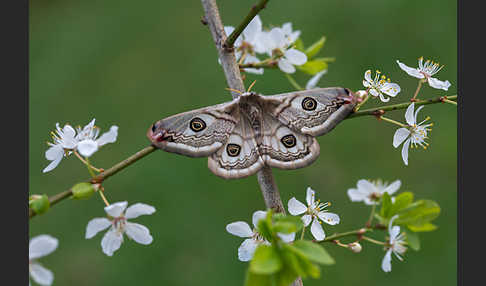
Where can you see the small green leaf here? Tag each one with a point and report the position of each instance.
(313, 252)
(82, 190)
(402, 201)
(419, 213)
(413, 240)
(253, 279)
(287, 224)
(286, 276)
(422, 228)
(313, 67)
(298, 262)
(299, 45)
(315, 48)
(386, 205)
(39, 203)
(266, 260)
(265, 228)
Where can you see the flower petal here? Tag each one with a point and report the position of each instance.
(287, 238)
(366, 187)
(355, 195)
(239, 228)
(386, 262)
(435, 83)
(138, 232)
(252, 30)
(247, 249)
(258, 215)
(394, 232)
(116, 209)
(295, 207)
(400, 135)
(405, 151)
(285, 66)
(317, 230)
(295, 57)
(367, 77)
(87, 147)
(111, 242)
(55, 154)
(96, 225)
(409, 116)
(42, 245)
(391, 89)
(139, 209)
(108, 137)
(41, 275)
(310, 196)
(393, 187)
(416, 113)
(306, 219)
(329, 218)
(411, 71)
(315, 79)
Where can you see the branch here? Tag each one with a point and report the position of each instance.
(101, 177)
(228, 44)
(378, 111)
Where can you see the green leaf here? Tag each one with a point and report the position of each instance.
(299, 45)
(413, 239)
(419, 213)
(386, 205)
(286, 276)
(315, 48)
(253, 279)
(82, 190)
(298, 262)
(422, 228)
(313, 252)
(266, 260)
(402, 201)
(265, 228)
(287, 224)
(313, 67)
(39, 203)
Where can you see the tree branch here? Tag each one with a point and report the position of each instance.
(381, 110)
(228, 44)
(101, 177)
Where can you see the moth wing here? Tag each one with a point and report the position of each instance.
(284, 148)
(314, 112)
(238, 157)
(196, 133)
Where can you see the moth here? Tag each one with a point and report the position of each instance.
(241, 136)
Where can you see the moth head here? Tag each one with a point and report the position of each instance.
(156, 134)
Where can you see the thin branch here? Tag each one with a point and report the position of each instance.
(357, 232)
(228, 44)
(101, 177)
(378, 111)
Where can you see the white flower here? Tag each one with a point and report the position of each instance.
(415, 134)
(426, 71)
(64, 141)
(371, 192)
(40, 246)
(380, 85)
(396, 245)
(88, 143)
(314, 211)
(249, 245)
(113, 238)
(315, 79)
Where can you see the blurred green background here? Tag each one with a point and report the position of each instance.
(130, 63)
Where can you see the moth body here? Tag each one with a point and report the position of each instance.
(243, 135)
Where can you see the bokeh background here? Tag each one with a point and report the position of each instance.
(130, 63)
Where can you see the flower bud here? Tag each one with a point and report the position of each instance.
(83, 190)
(355, 247)
(39, 203)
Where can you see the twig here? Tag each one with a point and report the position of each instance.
(101, 177)
(228, 44)
(358, 232)
(381, 110)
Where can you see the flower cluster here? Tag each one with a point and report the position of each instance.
(370, 192)
(86, 142)
(276, 43)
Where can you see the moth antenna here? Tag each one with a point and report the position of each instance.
(235, 90)
(251, 85)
